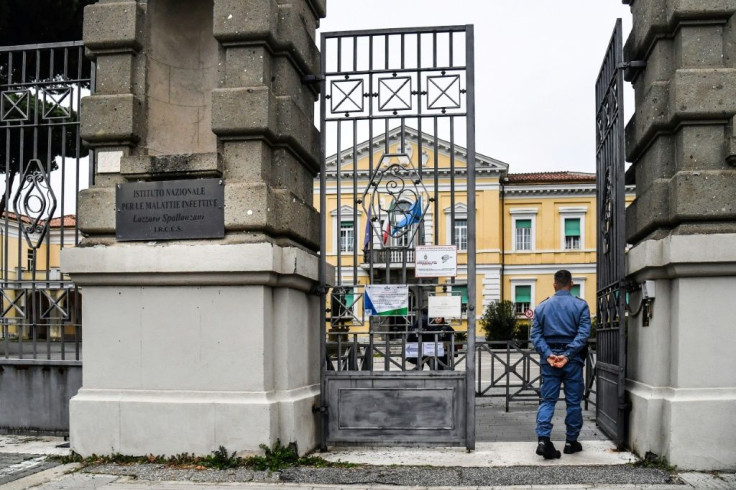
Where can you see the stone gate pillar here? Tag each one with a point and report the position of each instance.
(190, 344)
(682, 143)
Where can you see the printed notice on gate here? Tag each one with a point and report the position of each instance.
(436, 261)
(429, 349)
(386, 300)
(445, 306)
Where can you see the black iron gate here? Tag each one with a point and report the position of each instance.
(611, 321)
(43, 166)
(397, 200)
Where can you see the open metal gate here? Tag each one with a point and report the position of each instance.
(43, 166)
(397, 200)
(611, 321)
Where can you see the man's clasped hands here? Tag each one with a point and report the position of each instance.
(557, 361)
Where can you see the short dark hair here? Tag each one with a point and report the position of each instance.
(563, 277)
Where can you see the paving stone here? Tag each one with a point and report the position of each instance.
(15, 466)
(494, 424)
(707, 480)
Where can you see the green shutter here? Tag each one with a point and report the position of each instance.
(523, 294)
(463, 290)
(349, 298)
(524, 223)
(575, 291)
(572, 227)
(346, 224)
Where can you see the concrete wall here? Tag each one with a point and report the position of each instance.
(34, 395)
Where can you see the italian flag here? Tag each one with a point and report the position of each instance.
(387, 230)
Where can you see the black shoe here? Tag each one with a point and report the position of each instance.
(572, 447)
(546, 449)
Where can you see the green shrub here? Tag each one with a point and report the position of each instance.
(499, 320)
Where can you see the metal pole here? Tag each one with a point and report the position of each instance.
(322, 255)
(470, 127)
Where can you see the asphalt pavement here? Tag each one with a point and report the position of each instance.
(504, 458)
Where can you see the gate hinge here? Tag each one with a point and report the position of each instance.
(320, 409)
(317, 290)
(630, 285)
(312, 79)
(632, 64)
(631, 68)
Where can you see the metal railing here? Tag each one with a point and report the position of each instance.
(513, 371)
(510, 370)
(395, 351)
(41, 321)
(504, 369)
(392, 255)
(43, 165)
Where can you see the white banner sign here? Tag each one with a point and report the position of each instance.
(428, 349)
(436, 261)
(445, 306)
(386, 300)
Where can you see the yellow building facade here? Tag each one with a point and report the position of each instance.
(528, 226)
(32, 284)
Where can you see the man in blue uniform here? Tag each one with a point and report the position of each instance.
(560, 332)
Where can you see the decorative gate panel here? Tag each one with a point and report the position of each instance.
(397, 192)
(611, 321)
(43, 166)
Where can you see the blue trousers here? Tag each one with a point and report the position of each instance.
(572, 377)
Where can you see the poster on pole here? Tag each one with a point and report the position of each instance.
(386, 300)
(429, 349)
(435, 261)
(445, 306)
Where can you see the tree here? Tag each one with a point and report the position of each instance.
(17, 143)
(499, 320)
(34, 22)
(41, 21)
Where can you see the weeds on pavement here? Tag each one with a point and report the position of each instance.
(275, 458)
(651, 460)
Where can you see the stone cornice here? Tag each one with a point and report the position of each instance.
(482, 161)
(549, 190)
(683, 255)
(665, 17)
(172, 264)
(364, 174)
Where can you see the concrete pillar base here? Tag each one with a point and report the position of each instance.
(693, 428)
(680, 367)
(193, 347)
(137, 422)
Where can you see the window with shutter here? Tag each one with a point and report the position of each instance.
(523, 234)
(522, 298)
(572, 233)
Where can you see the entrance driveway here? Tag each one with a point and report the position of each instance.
(493, 424)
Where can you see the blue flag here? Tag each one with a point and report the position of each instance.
(412, 216)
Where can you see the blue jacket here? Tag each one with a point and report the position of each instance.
(561, 319)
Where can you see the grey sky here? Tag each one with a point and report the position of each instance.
(536, 65)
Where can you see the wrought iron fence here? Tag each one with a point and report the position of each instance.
(513, 371)
(509, 370)
(390, 255)
(44, 166)
(504, 369)
(396, 351)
